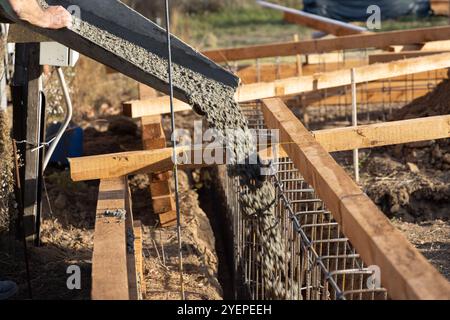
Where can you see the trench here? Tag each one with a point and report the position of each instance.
(212, 203)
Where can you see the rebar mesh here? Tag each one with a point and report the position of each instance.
(320, 262)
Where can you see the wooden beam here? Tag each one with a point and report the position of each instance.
(29, 123)
(314, 21)
(405, 273)
(20, 34)
(440, 7)
(126, 163)
(339, 139)
(394, 56)
(109, 260)
(139, 256)
(395, 90)
(152, 107)
(132, 268)
(121, 164)
(271, 71)
(298, 85)
(377, 40)
(293, 86)
(383, 134)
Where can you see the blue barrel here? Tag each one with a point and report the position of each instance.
(70, 145)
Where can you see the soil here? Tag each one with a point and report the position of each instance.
(200, 261)
(6, 177)
(68, 230)
(411, 182)
(432, 239)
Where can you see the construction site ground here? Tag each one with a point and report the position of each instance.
(413, 194)
(410, 183)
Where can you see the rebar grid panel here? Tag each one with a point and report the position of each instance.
(319, 264)
(376, 100)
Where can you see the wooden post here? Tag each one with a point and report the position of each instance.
(28, 126)
(355, 124)
(448, 13)
(153, 138)
(299, 59)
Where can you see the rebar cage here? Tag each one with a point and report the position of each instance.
(321, 263)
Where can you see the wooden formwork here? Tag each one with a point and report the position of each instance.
(369, 231)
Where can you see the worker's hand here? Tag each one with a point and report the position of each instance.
(56, 17)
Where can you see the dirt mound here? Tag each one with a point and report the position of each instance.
(412, 181)
(437, 102)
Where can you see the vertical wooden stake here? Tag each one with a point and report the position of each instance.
(28, 123)
(299, 59)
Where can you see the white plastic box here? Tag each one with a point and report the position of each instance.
(55, 54)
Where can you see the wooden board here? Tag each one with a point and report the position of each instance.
(405, 273)
(313, 21)
(139, 256)
(298, 85)
(293, 86)
(383, 134)
(152, 107)
(395, 56)
(121, 164)
(377, 40)
(28, 125)
(337, 30)
(271, 71)
(396, 90)
(20, 34)
(132, 267)
(339, 139)
(109, 259)
(440, 7)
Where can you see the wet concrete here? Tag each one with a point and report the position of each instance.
(215, 101)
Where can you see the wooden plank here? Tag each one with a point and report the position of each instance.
(383, 134)
(377, 40)
(368, 229)
(109, 260)
(139, 256)
(440, 7)
(298, 85)
(373, 96)
(163, 204)
(160, 188)
(395, 90)
(293, 86)
(443, 45)
(152, 107)
(132, 268)
(121, 164)
(146, 92)
(168, 219)
(314, 21)
(29, 122)
(330, 28)
(339, 139)
(394, 56)
(20, 34)
(270, 71)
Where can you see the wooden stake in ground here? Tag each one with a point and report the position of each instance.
(28, 127)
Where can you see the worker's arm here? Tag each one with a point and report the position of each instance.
(53, 17)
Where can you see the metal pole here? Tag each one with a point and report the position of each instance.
(174, 154)
(355, 124)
